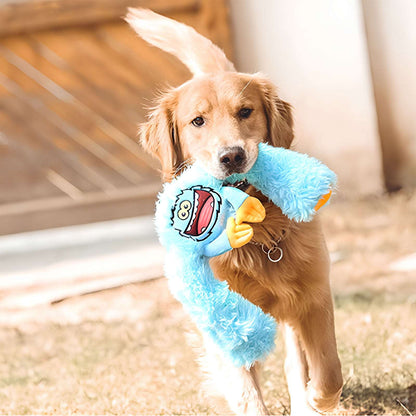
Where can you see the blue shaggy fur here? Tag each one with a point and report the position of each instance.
(242, 331)
(293, 181)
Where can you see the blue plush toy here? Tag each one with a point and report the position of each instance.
(199, 216)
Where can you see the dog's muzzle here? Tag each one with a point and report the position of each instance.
(232, 159)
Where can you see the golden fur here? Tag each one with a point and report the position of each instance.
(296, 290)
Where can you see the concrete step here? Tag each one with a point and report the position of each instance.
(50, 265)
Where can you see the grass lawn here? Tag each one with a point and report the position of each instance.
(127, 351)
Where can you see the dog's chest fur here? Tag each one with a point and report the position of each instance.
(276, 287)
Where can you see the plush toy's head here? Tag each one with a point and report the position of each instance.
(195, 212)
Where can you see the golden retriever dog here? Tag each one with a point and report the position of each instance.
(218, 117)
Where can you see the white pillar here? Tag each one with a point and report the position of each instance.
(391, 33)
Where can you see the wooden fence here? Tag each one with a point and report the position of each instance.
(74, 81)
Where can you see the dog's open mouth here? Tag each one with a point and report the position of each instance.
(242, 185)
(201, 214)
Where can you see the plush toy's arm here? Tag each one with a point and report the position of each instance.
(247, 208)
(218, 246)
(295, 182)
(234, 236)
(234, 196)
(242, 331)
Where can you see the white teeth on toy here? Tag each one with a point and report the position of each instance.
(195, 210)
(203, 229)
(212, 204)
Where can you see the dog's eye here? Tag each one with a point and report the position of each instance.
(245, 112)
(198, 121)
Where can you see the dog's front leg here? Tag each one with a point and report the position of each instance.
(318, 337)
(239, 386)
(296, 370)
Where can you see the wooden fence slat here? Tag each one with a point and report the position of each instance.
(108, 93)
(23, 16)
(44, 204)
(66, 155)
(71, 130)
(65, 211)
(150, 63)
(34, 146)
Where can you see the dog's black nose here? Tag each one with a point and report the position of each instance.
(232, 159)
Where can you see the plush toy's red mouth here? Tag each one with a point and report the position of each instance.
(202, 213)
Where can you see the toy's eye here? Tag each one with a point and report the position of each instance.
(245, 113)
(183, 215)
(185, 205)
(184, 210)
(198, 121)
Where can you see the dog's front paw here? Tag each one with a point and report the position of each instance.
(238, 234)
(251, 210)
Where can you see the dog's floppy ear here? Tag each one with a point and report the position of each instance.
(159, 136)
(278, 113)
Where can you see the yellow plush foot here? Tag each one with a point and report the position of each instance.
(251, 210)
(238, 234)
(323, 201)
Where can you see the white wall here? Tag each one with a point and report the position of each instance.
(315, 52)
(391, 33)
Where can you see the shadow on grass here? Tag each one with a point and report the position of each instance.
(375, 400)
(365, 298)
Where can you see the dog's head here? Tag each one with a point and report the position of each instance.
(219, 116)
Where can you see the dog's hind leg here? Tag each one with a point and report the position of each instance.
(239, 386)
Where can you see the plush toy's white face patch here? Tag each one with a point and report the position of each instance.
(195, 212)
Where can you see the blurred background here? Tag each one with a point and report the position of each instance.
(78, 256)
